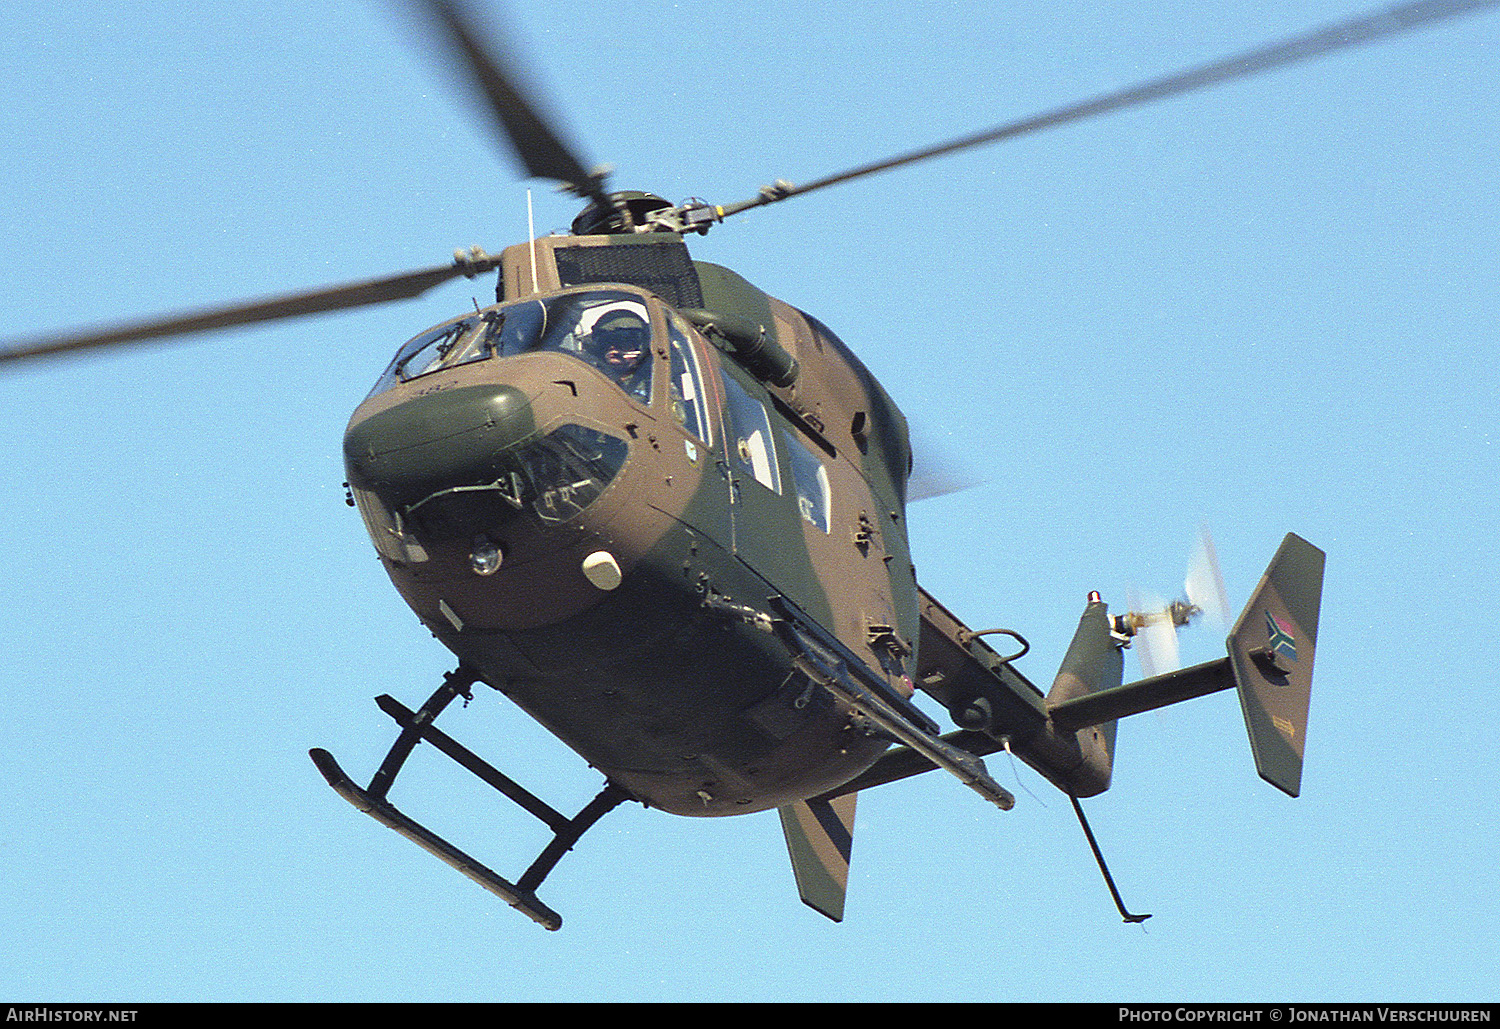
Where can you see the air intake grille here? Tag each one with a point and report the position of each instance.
(662, 267)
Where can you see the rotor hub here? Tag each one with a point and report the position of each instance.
(628, 211)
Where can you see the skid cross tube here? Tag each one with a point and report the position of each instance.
(417, 726)
(455, 683)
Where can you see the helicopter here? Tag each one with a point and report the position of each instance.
(758, 440)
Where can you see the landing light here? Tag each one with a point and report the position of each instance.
(486, 556)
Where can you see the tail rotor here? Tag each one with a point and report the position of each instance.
(1152, 624)
(1205, 583)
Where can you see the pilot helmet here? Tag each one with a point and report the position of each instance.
(621, 338)
(623, 326)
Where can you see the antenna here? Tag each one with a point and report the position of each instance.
(531, 235)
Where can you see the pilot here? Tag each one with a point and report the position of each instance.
(621, 342)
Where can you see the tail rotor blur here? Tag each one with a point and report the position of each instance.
(1152, 624)
(1149, 622)
(1205, 583)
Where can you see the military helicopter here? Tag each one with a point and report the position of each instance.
(664, 513)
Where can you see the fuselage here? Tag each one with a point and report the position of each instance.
(593, 505)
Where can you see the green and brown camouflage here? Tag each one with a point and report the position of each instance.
(698, 576)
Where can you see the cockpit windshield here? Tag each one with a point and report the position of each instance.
(607, 329)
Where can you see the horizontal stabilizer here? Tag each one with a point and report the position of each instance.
(819, 837)
(1271, 651)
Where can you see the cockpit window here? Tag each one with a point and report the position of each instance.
(480, 335)
(608, 329)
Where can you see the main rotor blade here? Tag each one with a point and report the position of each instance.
(539, 147)
(292, 305)
(1354, 32)
(935, 473)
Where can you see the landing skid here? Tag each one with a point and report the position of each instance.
(417, 726)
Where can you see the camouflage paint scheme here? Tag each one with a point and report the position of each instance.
(669, 684)
(654, 544)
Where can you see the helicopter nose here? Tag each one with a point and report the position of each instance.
(439, 441)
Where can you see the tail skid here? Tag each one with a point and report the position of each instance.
(819, 838)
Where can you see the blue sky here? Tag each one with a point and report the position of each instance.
(1269, 307)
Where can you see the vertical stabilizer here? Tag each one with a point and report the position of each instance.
(1092, 665)
(819, 837)
(1271, 652)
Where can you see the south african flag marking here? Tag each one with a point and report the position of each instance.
(1279, 634)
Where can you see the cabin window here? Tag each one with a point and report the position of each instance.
(751, 447)
(689, 405)
(810, 477)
